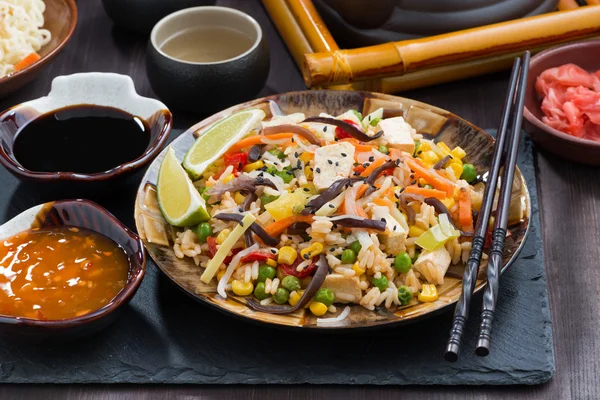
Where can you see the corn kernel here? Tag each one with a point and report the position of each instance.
(458, 152)
(457, 169)
(306, 157)
(422, 182)
(271, 262)
(415, 231)
(313, 250)
(295, 297)
(318, 308)
(222, 236)
(242, 288)
(308, 172)
(448, 202)
(252, 166)
(444, 148)
(424, 146)
(358, 271)
(287, 255)
(428, 293)
(239, 198)
(429, 157)
(228, 178)
(220, 274)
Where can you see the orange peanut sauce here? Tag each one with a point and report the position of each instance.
(59, 273)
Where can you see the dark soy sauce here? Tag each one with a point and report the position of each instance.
(82, 139)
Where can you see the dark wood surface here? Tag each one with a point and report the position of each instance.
(569, 200)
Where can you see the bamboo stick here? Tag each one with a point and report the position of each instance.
(289, 29)
(399, 58)
(312, 25)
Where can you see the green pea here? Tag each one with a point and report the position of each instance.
(287, 175)
(374, 121)
(383, 149)
(358, 115)
(204, 230)
(281, 296)
(381, 282)
(325, 296)
(277, 153)
(404, 295)
(259, 291)
(355, 247)
(402, 263)
(469, 174)
(291, 283)
(417, 145)
(266, 271)
(266, 199)
(348, 256)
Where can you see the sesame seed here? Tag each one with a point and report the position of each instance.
(397, 161)
(334, 226)
(412, 176)
(330, 162)
(413, 182)
(306, 189)
(419, 152)
(401, 190)
(276, 164)
(273, 251)
(332, 249)
(306, 256)
(397, 204)
(331, 205)
(293, 140)
(382, 219)
(318, 170)
(241, 224)
(325, 128)
(396, 195)
(296, 154)
(337, 164)
(336, 139)
(344, 155)
(366, 164)
(372, 158)
(240, 210)
(394, 227)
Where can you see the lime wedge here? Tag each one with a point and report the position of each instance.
(180, 202)
(215, 141)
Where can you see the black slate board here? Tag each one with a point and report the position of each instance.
(165, 337)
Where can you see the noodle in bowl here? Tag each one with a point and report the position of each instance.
(21, 33)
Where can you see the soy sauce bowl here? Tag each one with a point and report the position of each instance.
(207, 87)
(96, 89)
(82, 214)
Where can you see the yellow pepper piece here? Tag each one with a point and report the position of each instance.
(428, 293)
(287, 255)
(444, 148)
(313, 250)
(228, 178)
(222, 236)
(357, 269)
(295, 297)
(424, 146)
(318, 308)
(242, 288)
(448, 202)
(458, 152)
(415, 231)
(308, 172)
(271, 262)
(220, 274)
(457, 169)
(252, 166)
(429, 157)
(239, 198)
(422, 182)
(306, 157)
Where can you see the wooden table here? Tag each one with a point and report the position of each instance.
(569, 200)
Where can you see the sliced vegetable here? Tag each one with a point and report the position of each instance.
(347, 127)
(294, 129)
(432, 238)
(287, 205)
(277, 228)
(254, 226)
(328, 195)
(316, 282)
(372, 166)
(447, 227)
(219, 257)
(259, 255)
(330, 207)
(374, 174)
(373, 118)
(277, 153)
(425, 192)
(465, 215)
(430, 176)
(27, 61)
(405, 198)
(236, 160)
(256, 139)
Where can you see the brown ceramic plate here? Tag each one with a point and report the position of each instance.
(60, 19)
(428, 120)
(586, 54)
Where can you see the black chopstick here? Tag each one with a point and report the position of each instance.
(461, 312)
(490, 294)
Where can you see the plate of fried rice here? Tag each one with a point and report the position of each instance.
(323, 209)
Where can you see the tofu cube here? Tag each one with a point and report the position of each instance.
(345, 288)
(397, 133)
(394, 237)
(433, 265)
(332, 162)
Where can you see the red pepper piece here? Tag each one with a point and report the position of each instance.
(237, 160)
(291, 269)
(342, 134)
(212, 249)
(260, 256)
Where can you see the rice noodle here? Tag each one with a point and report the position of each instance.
(328, 321)
(235, 261)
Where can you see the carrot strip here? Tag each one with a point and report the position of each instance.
(276, 228)
(360, 191)
(430, 177)
(27, 61)
(350, 205)
(465, 214)
(414, 189)
(357, 145)
(395, 153)
(377, 163)
(380, 201)
(257, 139)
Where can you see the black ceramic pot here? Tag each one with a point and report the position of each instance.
(141, 15)
(204, 88)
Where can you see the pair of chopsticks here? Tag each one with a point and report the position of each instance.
(505, 154)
